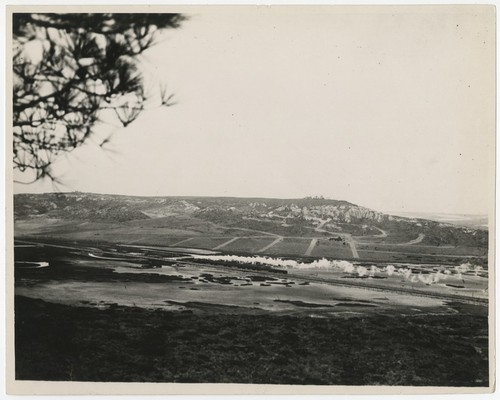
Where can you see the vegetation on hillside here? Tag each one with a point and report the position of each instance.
(294, 217)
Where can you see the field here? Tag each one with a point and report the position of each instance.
(331, 248)
(244, 240)
(249, 245)
(289, 247)
(424, 250)
(414, 257)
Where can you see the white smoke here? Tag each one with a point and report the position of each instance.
(347, 267)
(462, 268)
(389, 270)
(374, 270)
(275, 262)
(405, 272)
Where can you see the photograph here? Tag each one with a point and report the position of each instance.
(250, 199)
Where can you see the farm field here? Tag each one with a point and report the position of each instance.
(199, 242)
(286, 246)
(424, 250)
(387, 256)
(331, 248)
(394, 239)
(289, 247)
(248, 245)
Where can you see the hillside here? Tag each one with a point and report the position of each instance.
(470, 220)
(287, 217)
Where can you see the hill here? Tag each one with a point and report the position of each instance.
(286, 217)
(470, 220)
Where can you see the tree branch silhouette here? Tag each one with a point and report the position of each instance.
(70, 69)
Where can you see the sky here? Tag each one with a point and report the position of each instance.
(389, 108)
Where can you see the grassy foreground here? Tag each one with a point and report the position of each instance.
(122, 344)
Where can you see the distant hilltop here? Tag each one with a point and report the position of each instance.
(471, 220)
(123, 207)
(279, 216)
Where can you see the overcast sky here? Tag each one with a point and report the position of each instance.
(392, 109)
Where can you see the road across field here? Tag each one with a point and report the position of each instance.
(226, 243)
(352, 243)
(356, 246)
(182, 241)
(319, 228)
(417, 240)
(382, 234)
(276, 241)
(311, 247)
(347, 237)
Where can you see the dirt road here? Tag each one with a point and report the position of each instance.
(276, 241)
(183, 241)
(311, 247)
(226, 243)
(352, 244)
(417, 240)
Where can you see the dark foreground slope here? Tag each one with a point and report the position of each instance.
(123, 344)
